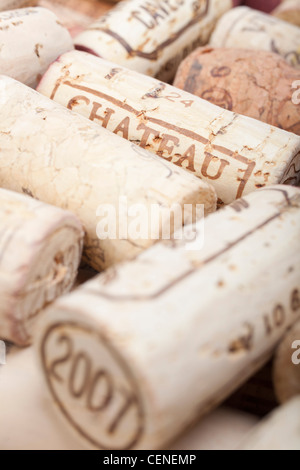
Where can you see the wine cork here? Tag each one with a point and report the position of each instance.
(28, 421)
(288, 11)
(13, 4)
(233, 153)
(152, 37)
(30, 39)
(280, 431)
(257, 84)
(40, 250)
(63, 159)
(129, 368)
(286, 373)
(250, 29)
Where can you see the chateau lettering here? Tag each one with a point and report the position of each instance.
(151, 13)
(181, 146)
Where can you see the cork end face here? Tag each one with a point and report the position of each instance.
(51, 274)
(93, 387)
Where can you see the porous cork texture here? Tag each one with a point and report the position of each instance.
(257, 84)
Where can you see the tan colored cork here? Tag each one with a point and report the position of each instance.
(258, 84)
(288, 10)
(150, 36)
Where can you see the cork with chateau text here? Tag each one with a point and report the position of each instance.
(233, 153)
(152, 37)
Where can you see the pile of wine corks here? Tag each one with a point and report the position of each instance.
(150, 225)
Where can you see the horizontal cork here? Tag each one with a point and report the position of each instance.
(40, 250)
(245, 28)
(152, 37)
(233, 153)
(63, 159)
(30, 39)
(129, 368)
(257, 84)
